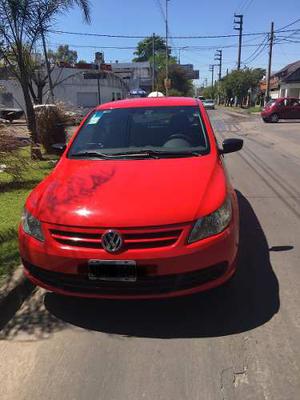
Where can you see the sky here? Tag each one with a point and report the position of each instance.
(186, 18)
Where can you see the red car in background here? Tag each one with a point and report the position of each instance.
(282, 108)
(138, 206)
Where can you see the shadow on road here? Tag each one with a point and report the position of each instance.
(249, 300)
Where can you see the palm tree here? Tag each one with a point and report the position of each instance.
(23, 23)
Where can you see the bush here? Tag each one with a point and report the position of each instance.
(11, 162)
(51, 120)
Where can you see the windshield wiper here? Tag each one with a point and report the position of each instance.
(158, 153)
(96, 154)
(139, 154)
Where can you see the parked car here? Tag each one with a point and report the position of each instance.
(282, 108)
(138, 206)
(209, 104)
(10, 114)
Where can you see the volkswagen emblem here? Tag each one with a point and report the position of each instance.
(111, 241)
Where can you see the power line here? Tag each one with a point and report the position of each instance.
(257, 51)
(96, 47)
(257, 55)
(181, 48)
(161, 10)
(241, 5)
(247, 6)
(170, 37)
(244, 6)
(287, 26)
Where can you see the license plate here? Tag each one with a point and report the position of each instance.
(110, 270)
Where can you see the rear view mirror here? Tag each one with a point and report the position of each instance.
(59, 147)
(231, 145)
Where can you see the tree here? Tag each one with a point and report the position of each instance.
(63, 54)
(239, 82)
(209, 92)
(180, 84)
(23, 23)
(160, 61)
(144, 50)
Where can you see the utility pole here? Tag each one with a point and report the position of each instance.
(153, 62)
(99, 90)
(47, 63)
(218, 57)
(271, 39)
(167, 51)
(238, 21)
(212, 70)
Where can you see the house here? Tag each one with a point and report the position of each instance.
(289, 77)
(284, 83)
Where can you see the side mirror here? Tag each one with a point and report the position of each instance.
(231, 145)
(59, 147)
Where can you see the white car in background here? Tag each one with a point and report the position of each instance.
(209, 104)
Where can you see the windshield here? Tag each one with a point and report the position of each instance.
(270, 102)
(136, 130)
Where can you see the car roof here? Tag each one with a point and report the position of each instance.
(150, 102)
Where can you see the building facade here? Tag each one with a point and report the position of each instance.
(71, 87)
(136, 75)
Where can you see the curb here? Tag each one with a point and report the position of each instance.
(240, 113)
(13, 295)
(236, 113)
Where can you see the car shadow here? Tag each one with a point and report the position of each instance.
(249, 300)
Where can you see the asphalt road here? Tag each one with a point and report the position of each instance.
(241, 341)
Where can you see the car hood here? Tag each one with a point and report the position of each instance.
(123, 193)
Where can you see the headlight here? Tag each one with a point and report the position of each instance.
(213, 223)
(32, 226)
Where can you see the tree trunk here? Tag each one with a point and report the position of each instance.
(40, 93)
(31, 122)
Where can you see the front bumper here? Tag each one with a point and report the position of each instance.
(178, 269)
(265, 114)
(145, 287)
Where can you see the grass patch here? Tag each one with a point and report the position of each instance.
(12, 198)
(254, 109)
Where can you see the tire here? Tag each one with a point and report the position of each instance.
(274, 118)
(266, 120)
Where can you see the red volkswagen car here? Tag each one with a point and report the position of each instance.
(138, 206)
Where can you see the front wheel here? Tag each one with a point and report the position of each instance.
(266, 120)
(274, 118)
